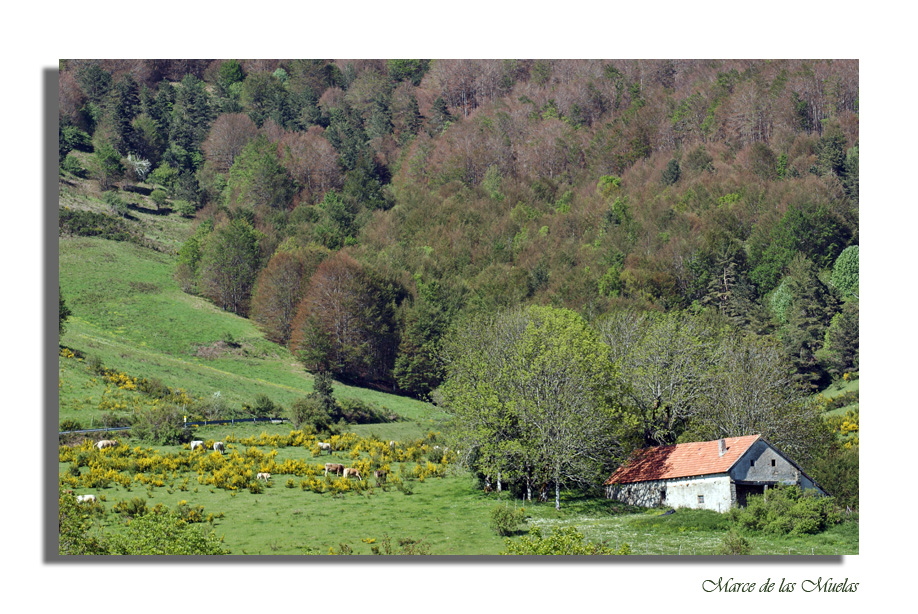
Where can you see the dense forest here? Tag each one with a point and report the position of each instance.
(364, 211)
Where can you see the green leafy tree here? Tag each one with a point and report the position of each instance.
(407, 70)
(814, 230)
(347, 135)
(846, 272)
(830, 151)
(440, 117)
(417, 369)
(809, 314)
(527, 391)
(95, 81)
(230, 73)
(124, 107)
(189, 257)
(852, 173)
(264, 96)
(107, 163)
(191, 116)
(671, 173)
(229, 265)
(257, 178)
(840, 352)
(63, 312)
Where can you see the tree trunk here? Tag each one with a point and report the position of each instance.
(557, 494)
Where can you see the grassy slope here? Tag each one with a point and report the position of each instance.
(838, 388)
(128, 311)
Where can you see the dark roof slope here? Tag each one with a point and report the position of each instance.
(681, 460)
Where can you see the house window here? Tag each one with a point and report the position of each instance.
(700, 499)
(772, 462)
(752, 463)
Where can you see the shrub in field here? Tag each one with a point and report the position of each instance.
(406, 546)
(75, 533)
(562, 541)
(787, 510)
(131, 508)
(734, 543)
(69, 425)
(165, 534)
(506, 519)
(308, 411)
(72, 165)
(162, 425)
(159, 197)
(355, 411)
(94, 364)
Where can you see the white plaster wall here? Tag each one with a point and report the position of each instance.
(714, 488)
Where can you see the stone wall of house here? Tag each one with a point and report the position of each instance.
(712, 492)
(762, 463)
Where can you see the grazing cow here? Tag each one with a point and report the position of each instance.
(334, 467)
(197, 443)
(349, 471)
(218, 446)
(86, 498)
(380, 475)
(106, 443)
(263, 476)
(324, 446)
(391, 444)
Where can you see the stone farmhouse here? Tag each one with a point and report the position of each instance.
(710, 475)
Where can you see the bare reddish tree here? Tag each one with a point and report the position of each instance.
(71, 98)
(345, 324)
(229, 134)
(280, 288)
(311, 161)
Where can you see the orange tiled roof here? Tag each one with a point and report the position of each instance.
(681, 460)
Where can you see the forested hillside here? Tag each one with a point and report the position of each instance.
(358, 211)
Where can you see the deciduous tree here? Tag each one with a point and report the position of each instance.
(229, 264)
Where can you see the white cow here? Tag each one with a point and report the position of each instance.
(106, 443)
(324, 446)
(218, 446)
(197, 443)
(263, 476)
(86, 498)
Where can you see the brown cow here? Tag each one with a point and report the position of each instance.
(334, 467)
(106, 443)
(380, 475)
(349, 471)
